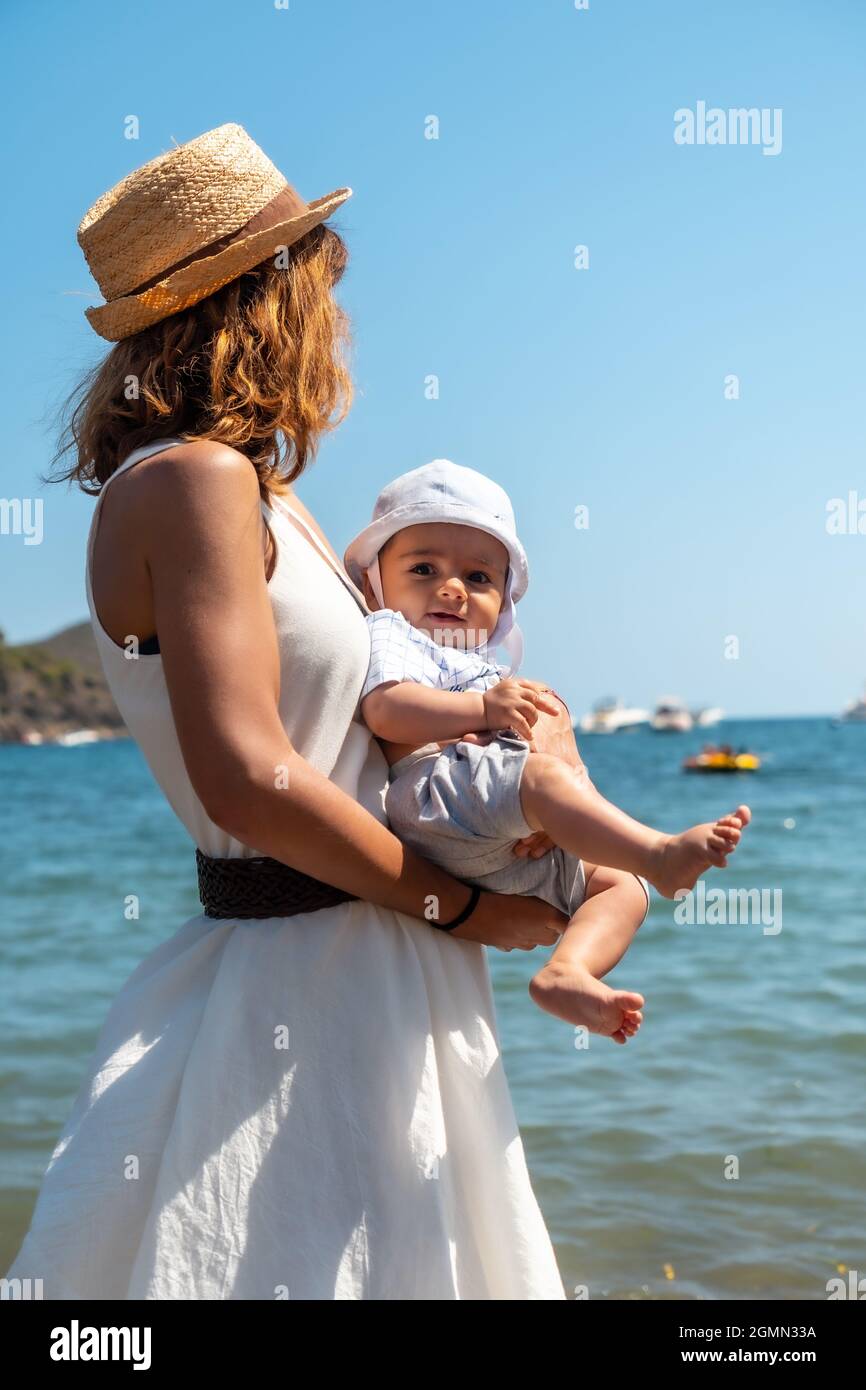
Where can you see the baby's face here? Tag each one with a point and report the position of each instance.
(445, 578)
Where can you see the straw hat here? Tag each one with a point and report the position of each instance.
(185, 224)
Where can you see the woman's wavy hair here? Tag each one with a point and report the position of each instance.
(258, 365)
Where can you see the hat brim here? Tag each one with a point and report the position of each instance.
(362, 551)
(185, 287)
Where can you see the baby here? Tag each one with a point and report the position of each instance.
(443, 567)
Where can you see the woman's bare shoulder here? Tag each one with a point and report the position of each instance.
(201, 488)
(200, 466)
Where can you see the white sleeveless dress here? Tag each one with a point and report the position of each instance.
(311, 1107)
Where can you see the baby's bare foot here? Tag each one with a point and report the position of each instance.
(681, 859)
(570, 992)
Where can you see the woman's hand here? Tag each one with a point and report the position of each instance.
(553, 733)
(509, 922)
(534, 846)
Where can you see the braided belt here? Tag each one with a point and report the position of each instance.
(260, 888)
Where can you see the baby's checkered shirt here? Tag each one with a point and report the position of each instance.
(401, 652)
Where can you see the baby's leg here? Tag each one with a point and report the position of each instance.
(581, 821)
(569, 986)
(605, 924)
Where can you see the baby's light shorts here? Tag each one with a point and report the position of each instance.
(460, 807)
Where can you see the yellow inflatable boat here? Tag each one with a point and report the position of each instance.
(719, 760)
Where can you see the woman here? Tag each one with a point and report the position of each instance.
(282, 1102)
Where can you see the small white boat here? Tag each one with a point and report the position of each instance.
(77, 736)
(671, 716)
(32, 738)
(611, 716)
(704, 718)
(855, 712)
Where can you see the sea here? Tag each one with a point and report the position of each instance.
(719, 1154)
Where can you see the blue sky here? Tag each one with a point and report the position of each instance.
(601, 387)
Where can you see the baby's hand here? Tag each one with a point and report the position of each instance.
(515, 704)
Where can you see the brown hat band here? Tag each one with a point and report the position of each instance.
(285, 205)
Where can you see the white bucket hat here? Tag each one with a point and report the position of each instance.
(444, 491)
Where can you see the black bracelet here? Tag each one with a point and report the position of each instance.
(467, 911)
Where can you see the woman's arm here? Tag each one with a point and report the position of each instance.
(201, 527)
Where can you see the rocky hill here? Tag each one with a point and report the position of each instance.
(56, 687)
